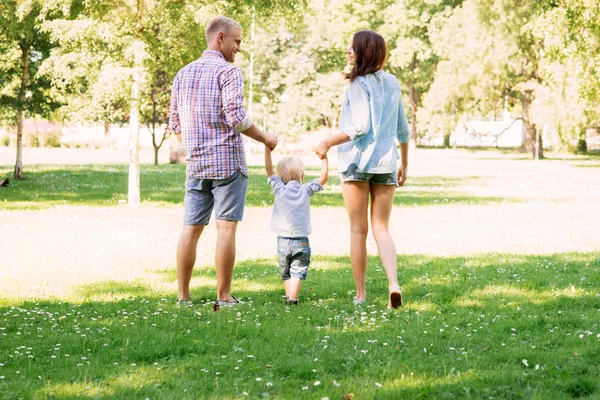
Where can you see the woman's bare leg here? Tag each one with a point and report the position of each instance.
(382, 199)
(356, 199)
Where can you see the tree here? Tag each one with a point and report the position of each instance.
(141, 44)
(570, 32)
(24, 46)
(412, 57)
(489, 55)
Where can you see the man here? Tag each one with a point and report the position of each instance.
(207, 115)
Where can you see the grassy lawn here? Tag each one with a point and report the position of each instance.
(104, 185)
(490, 326)
(482, 326)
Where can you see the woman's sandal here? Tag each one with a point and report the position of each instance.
(395, 299)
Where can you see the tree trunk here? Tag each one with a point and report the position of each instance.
(529, 132)
(134, 114)
(18, 175)
(134, 142)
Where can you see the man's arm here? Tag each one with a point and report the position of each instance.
(233, 108)
(268, 139)
(174, 123)
(324, 171)
(268, 162)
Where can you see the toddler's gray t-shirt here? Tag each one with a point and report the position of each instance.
(291, 211)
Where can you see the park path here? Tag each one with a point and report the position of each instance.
(52, 251)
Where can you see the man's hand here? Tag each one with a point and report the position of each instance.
(402, 175)
(322, 149)
(271, 140)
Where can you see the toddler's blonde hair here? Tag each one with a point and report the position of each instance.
(290, 169)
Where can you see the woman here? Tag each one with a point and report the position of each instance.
(372, 118)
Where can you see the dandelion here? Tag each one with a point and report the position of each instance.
(336, 384)
(537, 366)
(304, 387)
(317, 383)
(269, 384)
(525, 363)
(258, 379)
(378, 384)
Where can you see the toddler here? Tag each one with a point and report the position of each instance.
(291, 218)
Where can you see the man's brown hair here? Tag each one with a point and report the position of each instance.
(370, 52)
(220, 23)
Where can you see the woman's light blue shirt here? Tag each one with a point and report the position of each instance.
(373, 117)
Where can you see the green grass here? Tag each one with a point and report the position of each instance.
(490, 326)
(106, 185)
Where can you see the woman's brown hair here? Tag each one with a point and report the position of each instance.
(370, 51)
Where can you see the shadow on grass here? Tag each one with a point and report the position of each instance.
(105, 185)
(495, 325)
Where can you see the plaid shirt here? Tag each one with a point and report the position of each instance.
(207, 110)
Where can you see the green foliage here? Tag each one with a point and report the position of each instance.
(456, 59)
(5, 140)
(570, 34)
(20, 31)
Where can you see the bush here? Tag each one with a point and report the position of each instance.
(581, 146)
(52, 139)
(33, 140)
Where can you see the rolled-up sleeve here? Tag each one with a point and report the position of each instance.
(360, 111)
(232, 86)
(174, 122)
(402, 131)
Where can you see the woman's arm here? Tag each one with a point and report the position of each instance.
(268, 162)
(403, 169)
(333, 140)
(403, 136)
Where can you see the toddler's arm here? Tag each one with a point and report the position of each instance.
(268, 162)
(324, 170)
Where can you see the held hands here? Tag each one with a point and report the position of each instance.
(402, 175)
(271, 140)
(322, 149)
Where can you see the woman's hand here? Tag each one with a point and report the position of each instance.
(322, 149)
(402, 175)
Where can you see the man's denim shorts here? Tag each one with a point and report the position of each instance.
(226, 196)
(352, 175)
(294, 257)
